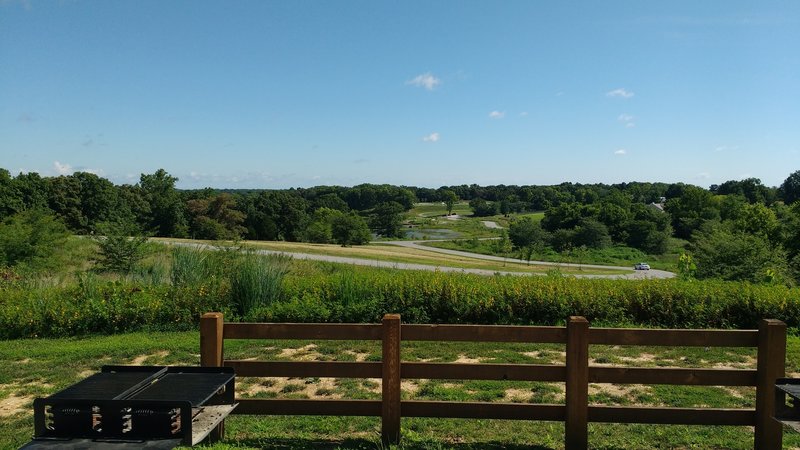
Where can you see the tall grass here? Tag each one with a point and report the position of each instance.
(256, 280)
(190, 266)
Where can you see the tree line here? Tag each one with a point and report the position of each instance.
(738, 227)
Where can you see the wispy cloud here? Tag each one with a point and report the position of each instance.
(425, 80)
(433, 137)
(621, 92)
(62, 169)
(627, 120)
(497, 114)
(621, 152)
(523, 113)
(68, 169)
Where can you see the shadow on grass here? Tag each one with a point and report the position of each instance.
(366, 444)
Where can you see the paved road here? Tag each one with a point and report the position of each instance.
(411, 266)
(638, 274)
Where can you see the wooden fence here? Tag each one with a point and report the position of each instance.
(770, 339)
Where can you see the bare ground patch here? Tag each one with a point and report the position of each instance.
(13, 405)
(305, 353)
(141, 359)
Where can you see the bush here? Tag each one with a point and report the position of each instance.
(120, 248)
(30, 238)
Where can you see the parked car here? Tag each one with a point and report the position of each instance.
(641, 266)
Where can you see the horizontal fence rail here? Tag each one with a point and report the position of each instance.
(769, 339)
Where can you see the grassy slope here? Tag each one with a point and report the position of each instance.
(40, 367)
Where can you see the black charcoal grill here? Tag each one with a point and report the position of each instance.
(787, 402)
(135, 407)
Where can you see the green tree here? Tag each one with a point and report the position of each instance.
(727, 254)
(166, 216)
(215, 218)
(482, 208)
(319, 228)
(387, 219)
(10, 198)
(693, 207)
(449, 198)
(527, 236)
(119, 247)
(350, 229)
(790, 188)
(591, 234)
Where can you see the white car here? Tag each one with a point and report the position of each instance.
(641, 266)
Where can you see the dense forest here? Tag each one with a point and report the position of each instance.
(738, 230)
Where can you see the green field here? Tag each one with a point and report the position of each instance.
(40, 367)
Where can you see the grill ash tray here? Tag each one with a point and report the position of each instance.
(129, 404)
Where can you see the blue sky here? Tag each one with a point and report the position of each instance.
(266, 94)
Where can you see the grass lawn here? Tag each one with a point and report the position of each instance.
(40, 367)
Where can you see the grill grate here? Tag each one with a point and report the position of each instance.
(139, 403)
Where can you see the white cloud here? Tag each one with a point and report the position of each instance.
(433, 137)
(62, 169)
(627, 120)
(621, 92)
(523, 113)
(497, 114)
(621, 152)
(425, 80)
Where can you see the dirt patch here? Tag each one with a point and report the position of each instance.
(412, 387)
(748, 363)
(23, 361)
(642, 358)
(141, 359)
(13, 405)
(359, 357)
(518, 395)
(305, 353)
(322, 388)
(463, 359)
(628, 391)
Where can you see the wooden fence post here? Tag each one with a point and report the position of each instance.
(771, 365)
(211, 339)
(390, 404)
(211, 354)
(576, 428)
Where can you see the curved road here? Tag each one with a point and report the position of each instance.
(639, 274)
